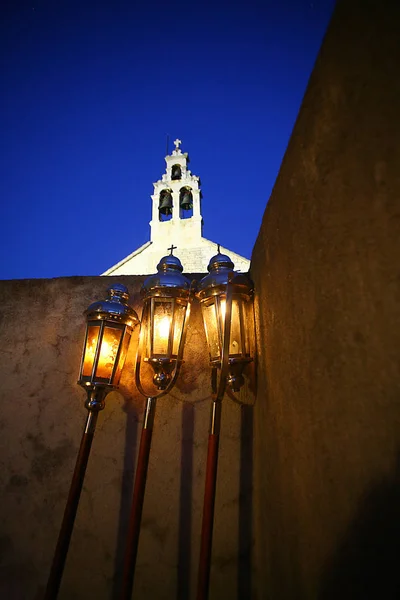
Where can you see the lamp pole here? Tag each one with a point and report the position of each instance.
(209, 501)
(109, 326)
(67, 525)
(207, 527)
(137, 500)
(167, 297)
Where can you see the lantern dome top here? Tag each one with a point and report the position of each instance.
(220, 274)
(115, 307)
(168, 280)
(169, 262)
(220, 261)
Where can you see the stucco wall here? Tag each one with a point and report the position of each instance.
(41, 418)
(326, 273)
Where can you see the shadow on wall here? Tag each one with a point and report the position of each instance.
(245, 542)
(245, 532)
(366, 563)
(185, 502)
(131, 440)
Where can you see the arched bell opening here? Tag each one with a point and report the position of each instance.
(165, 205)
(185, 203)
(176, 172)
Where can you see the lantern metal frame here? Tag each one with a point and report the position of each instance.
(221, 283)
(115, 313)
(169, 284)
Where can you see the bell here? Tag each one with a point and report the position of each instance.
(176, 172)
(165, 205)
(186, 199)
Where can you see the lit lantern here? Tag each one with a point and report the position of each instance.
(109, 326)
(225, 301)
(165, 314)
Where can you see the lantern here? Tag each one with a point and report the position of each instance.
(109, 326)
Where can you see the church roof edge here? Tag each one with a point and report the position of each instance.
(124, 260)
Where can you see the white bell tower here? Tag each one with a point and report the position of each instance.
(176, 213)
(176, 222)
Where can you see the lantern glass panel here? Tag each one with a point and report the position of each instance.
(122, 357)
(212, 329)
(235, 342)
(179, 319)
(220, 307)
(246, 315)
(162, 326)
(108, 352)
(145, 330)
(90, 349)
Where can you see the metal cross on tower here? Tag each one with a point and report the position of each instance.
(177, 143)
(171, 249)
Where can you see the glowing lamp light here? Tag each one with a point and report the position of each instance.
(109, 326)
(225, 301)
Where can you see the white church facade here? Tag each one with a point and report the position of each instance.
(176, 221)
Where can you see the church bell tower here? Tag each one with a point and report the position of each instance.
(176, 210)
(176, 222)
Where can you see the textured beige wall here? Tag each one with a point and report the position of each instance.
(327, 278)
(41, 418)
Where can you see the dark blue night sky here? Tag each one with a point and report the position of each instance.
(91, 89)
